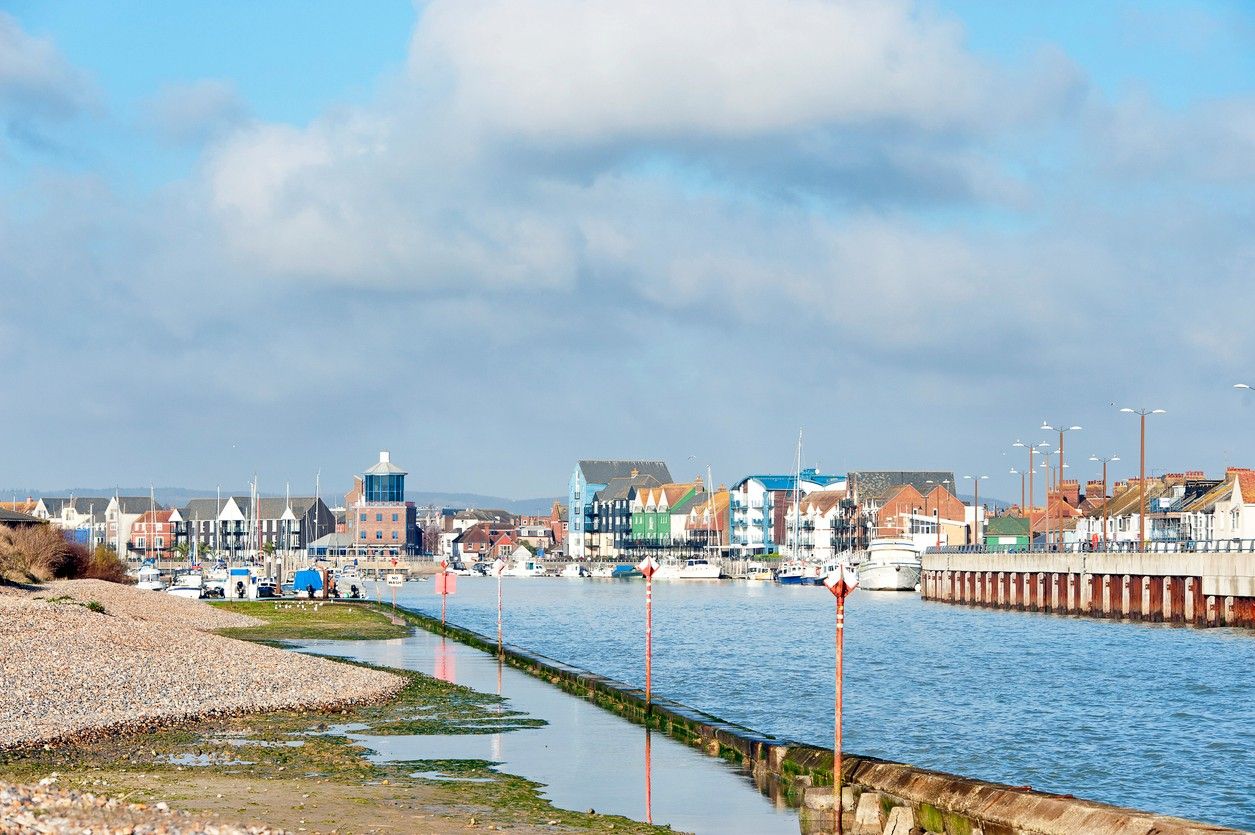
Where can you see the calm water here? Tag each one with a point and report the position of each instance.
(1154, 717)
(585, 757)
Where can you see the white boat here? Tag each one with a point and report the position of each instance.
(148, 578)
(575, 571)
(603, 570)
(756, 572)
(191, 585)
(691, 569)
(890, 564)
(525, 568)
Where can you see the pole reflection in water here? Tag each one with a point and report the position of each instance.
(649, 778)
(446, 663)
(496, 738)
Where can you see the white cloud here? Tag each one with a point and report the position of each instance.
(573, 70)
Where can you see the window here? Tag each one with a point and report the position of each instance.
(394, 517)
(378, 534)
(161, 542)
(394, 536)
(363, 519)
(139, 543)
(362, 535)
(378, 517)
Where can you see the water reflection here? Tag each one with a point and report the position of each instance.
(585, 757)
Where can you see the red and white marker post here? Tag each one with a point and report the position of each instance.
(498, 568)
(647, 567)
(841, 583)
(443, 588)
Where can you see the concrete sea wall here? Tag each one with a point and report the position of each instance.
(880, 797)
(1186, 588)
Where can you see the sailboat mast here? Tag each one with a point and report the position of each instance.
(797, 510)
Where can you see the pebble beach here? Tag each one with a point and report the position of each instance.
(80, 658)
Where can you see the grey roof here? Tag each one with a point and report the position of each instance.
(12, 517)
(82, 504)
(202, 509)
(136, 504)
(332, 540)
(878, 484)
(621, 488)
(487, 515)
(269, 507)
(601, 472)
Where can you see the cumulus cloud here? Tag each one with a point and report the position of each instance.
(194, 112)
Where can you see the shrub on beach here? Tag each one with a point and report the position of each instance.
(41, 552)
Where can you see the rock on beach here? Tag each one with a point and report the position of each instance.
(71, 673)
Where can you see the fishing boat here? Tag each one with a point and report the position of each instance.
(756, 572)
(891, 563)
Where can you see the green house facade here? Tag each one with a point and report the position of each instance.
(1006, 533)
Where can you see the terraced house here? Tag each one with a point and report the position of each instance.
(594, 522)
(658, 515)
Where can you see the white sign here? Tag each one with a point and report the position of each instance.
(396, 579)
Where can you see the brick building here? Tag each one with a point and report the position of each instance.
(378, 519)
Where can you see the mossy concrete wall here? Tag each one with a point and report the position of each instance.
(801, 775)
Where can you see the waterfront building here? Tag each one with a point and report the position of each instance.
(907, 512)
(707, 523)
(651, 511)
(81, 517)
(760, 504)
(589, 478)
(608, 534)
(231, 527)
(120, 514)
(867, 492)
(473, 543)
(379, 519)
(153, 535)
(816, 527)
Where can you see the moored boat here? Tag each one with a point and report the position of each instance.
(690, 569)
(890, 564)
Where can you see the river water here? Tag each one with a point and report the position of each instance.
(1155, 717)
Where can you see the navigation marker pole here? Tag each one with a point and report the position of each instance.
(498, 568)
(647, 567)
(841, 583)
(444, 588)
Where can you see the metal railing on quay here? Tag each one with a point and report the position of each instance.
(1223, 546)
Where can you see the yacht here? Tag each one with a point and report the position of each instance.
(190, 584)
(148, 578)
(891, 564)
(690, 569)
(759, 573)
(575, 570)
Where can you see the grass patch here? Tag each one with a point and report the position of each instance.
(299, 620)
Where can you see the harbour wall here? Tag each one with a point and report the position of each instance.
(1199, 589)
(879, 796)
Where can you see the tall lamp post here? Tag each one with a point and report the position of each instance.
(1060, 428)
(1105, 507)
(1014, 471)
(976, 480)
(1141, 474)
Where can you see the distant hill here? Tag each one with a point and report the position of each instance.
(179, 496)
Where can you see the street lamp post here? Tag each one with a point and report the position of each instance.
(1141, 476)
(1060, 428)
(976, 480)
(1014, 471)
(937, 509)
(1105, 505)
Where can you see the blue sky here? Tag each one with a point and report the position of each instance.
(496, 237)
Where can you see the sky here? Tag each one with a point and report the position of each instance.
(498, 236)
